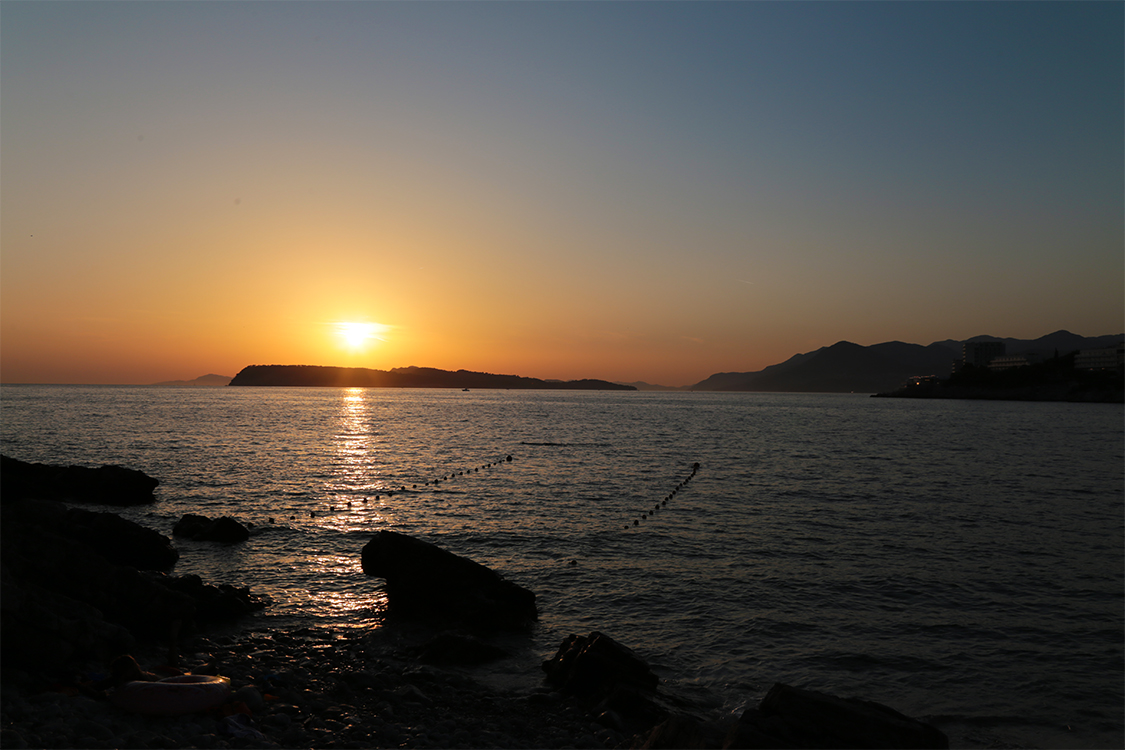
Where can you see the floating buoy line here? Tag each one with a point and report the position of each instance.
(344, 506)
(448, 477)
(664, 503)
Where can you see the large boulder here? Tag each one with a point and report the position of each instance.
(426, 581)
(106, 485)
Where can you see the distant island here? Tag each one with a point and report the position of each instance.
(404, 377)
(203, 381)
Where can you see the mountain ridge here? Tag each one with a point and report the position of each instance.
(846, 367)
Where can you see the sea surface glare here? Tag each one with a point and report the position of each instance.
(959, 561)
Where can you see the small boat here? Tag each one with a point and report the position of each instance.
(466, 390)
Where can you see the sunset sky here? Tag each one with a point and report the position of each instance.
(627, 191)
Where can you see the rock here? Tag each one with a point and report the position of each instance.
(73, 590)
(610, 677)
(121, 541)
(116, 539)
(213, 603)
(593, 666)
(426, 581)
(107, 485)
(820, 720)
(203, 529)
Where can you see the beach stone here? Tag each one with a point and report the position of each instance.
(251, 697)
(426, 581)
(10, 738)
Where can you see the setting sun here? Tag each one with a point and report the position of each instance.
(357, 335)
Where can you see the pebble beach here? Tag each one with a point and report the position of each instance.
(308, 688)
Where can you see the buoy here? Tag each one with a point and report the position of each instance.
(172, 696)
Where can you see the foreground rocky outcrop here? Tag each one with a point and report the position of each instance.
(428, 582)
(77, 584)
(106, 485)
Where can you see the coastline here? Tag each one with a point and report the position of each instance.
(1062, 392)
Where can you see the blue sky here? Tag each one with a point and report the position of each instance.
(653, 191)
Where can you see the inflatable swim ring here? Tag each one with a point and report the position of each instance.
(172, 696)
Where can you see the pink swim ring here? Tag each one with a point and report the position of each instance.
(173, 696)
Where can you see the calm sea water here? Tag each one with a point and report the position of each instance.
(959, 561)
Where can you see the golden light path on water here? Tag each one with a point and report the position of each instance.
(350, 491)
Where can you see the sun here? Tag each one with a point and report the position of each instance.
(357, 336)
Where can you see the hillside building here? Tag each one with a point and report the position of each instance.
(978, 353)
(1112, 358)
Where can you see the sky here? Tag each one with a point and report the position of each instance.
(631, 191)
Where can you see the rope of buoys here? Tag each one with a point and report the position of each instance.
(664, 503)
(444, 477)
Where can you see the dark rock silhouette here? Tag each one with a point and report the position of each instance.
(77, 584)
(403, 377)
(790, 717)
(610, 678)
(204, 529)
(107, 485)
(426, 581)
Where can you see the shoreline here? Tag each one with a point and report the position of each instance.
(306, 688)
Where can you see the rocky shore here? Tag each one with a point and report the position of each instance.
(300, 689)
(89, 614)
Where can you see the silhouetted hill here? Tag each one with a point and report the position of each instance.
(202, 381)
(846, 367)
(641, 385)
(403, 377)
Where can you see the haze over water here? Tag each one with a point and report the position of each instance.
(959, 561)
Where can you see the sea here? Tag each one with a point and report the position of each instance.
(959, 561)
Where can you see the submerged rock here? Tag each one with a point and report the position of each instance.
(203, 529)
(426, 581)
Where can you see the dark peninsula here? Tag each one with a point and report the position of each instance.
(404, 377)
